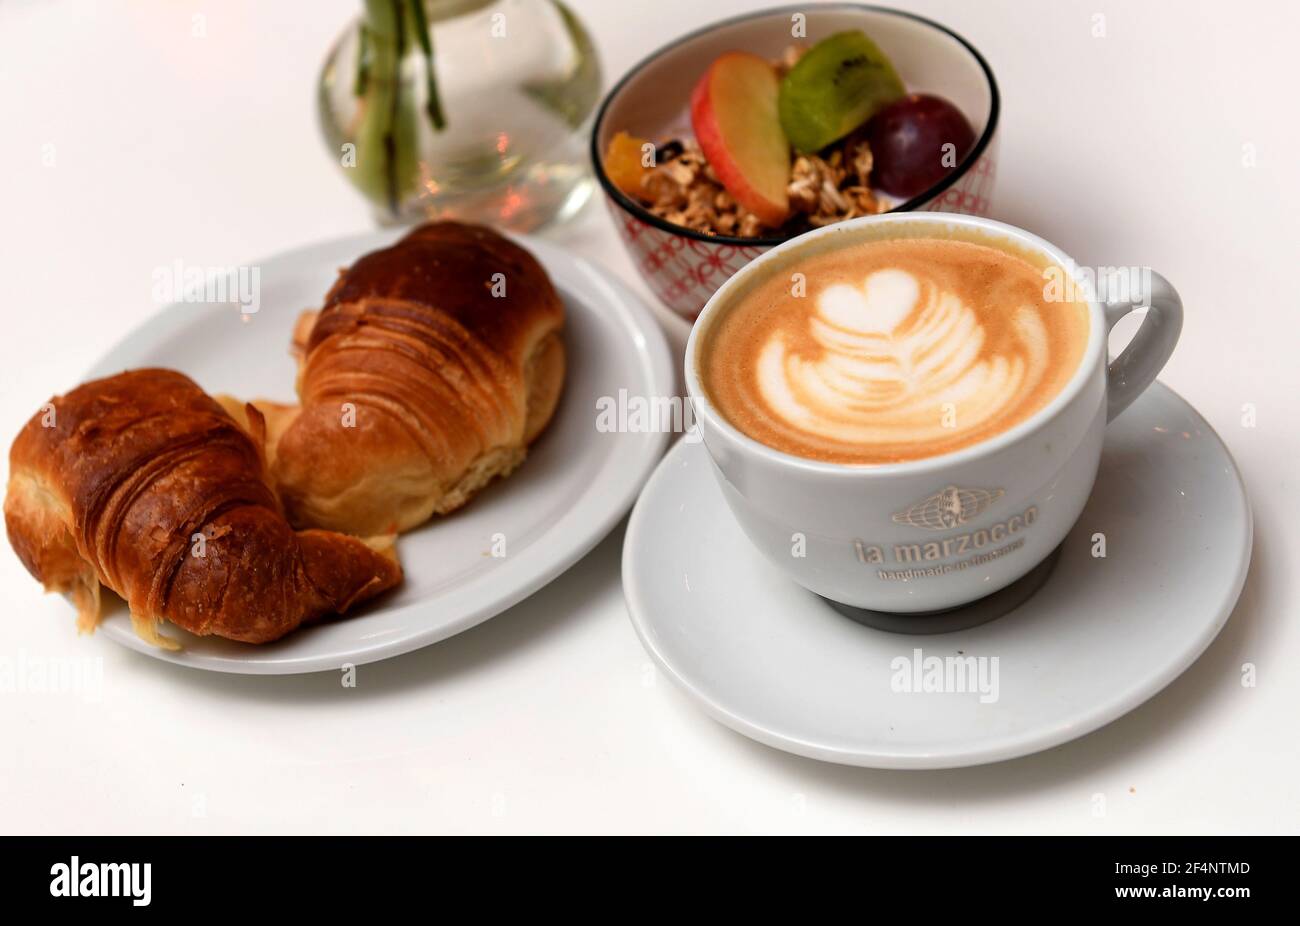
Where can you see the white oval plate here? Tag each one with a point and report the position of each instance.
(778, 664)
(574, 487)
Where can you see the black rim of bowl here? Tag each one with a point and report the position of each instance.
(645, 215)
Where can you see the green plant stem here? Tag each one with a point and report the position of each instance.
(362, 79)
(387, 142)
(422, 35)
(395, 108)
(387, 139)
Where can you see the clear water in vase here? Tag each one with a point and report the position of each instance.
(515, 83)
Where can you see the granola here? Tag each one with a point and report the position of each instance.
(682, 188)
(679, 186)
(827, 190)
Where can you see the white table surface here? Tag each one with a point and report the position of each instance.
(1123, 149)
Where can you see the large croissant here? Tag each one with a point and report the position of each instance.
(431, 367)
(142, 483)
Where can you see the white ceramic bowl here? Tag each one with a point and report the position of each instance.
(684, 267)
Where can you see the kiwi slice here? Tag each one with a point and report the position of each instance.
(835, 87)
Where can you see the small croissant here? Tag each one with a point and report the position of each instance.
(432, 366)
(142, 483)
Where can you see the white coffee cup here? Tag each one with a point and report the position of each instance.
(942, 531)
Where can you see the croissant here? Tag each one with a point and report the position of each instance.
(142, 483)
(431, 367)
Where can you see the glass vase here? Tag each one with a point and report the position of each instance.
(477, 110)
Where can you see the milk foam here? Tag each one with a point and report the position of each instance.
(898, 360)
(895, 350)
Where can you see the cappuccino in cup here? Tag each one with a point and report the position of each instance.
(900, 411)
(890, 350)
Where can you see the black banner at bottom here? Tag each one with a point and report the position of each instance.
(343, 875)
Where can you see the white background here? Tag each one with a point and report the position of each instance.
(1132, 148)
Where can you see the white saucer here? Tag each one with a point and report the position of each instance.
(574, 487)
(1102, 635)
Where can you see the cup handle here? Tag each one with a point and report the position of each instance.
(1132, 371)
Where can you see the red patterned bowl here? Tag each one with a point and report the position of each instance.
(684, 267)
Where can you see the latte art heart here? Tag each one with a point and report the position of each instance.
(898, 359)
(900, 349)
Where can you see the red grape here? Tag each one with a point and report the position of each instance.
(908, 139)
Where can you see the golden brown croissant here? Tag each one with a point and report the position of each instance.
(430, 368)
(143, 483)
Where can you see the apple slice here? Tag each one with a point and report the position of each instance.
(737, 124)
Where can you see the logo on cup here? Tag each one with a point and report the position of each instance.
(950, 507)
